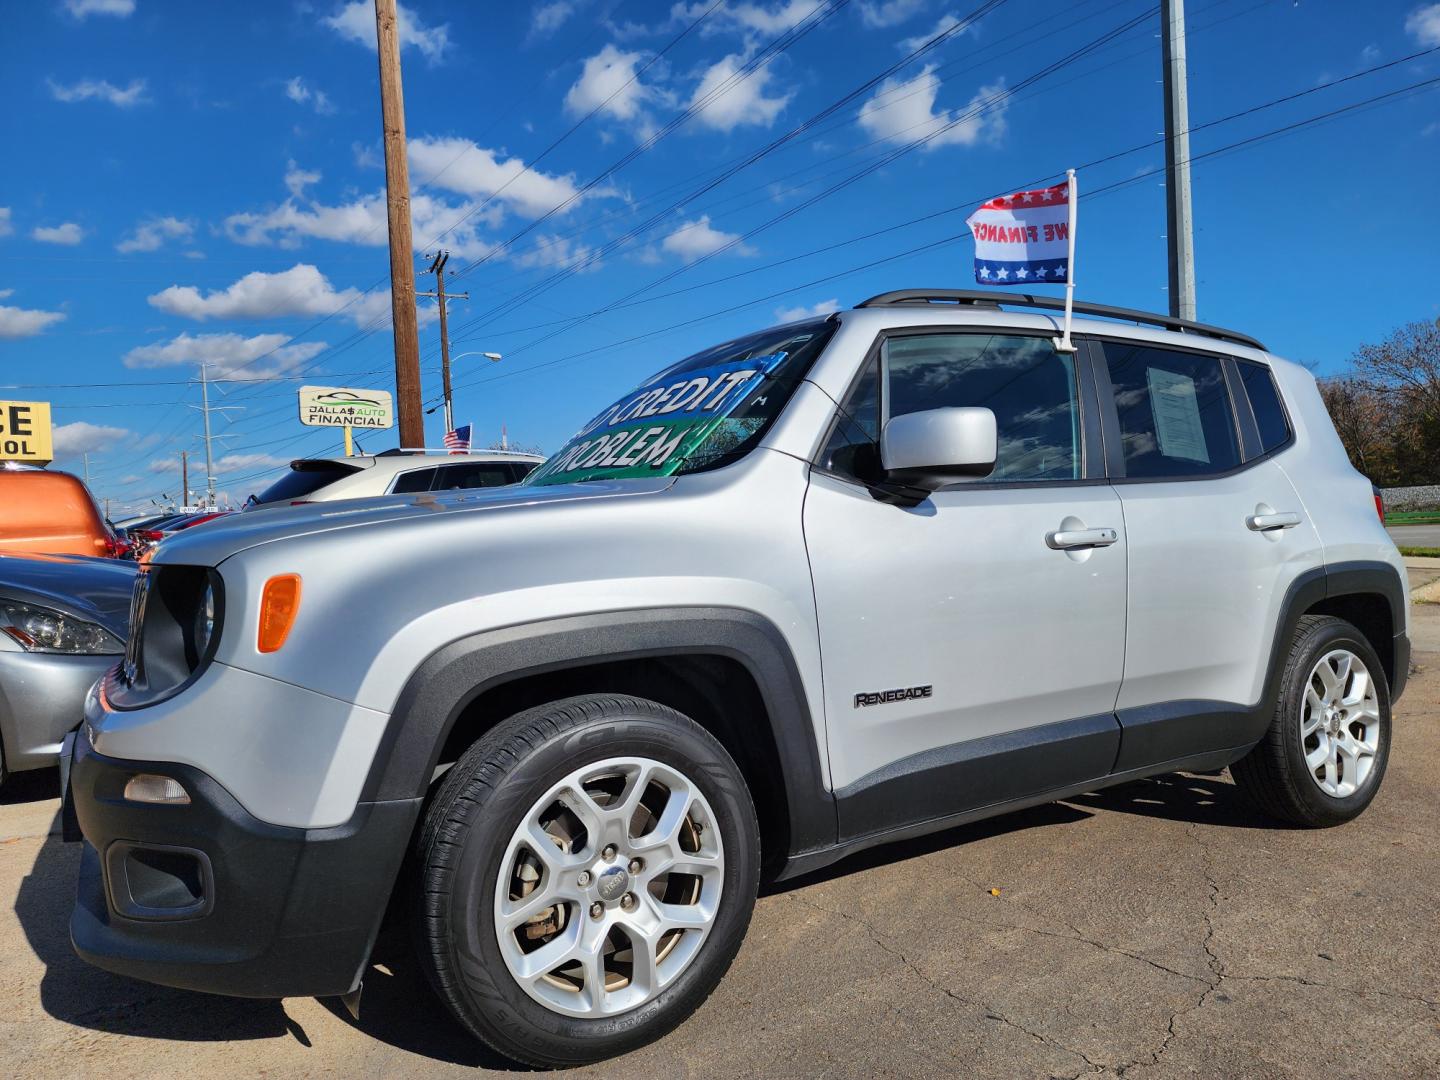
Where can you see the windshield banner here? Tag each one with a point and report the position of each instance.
(651, 431)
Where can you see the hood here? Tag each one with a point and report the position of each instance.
(217, 540)
(96, 590)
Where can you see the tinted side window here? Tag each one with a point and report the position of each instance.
(1176, 419)
(1265, 404)
(1027, 385)
(521, 469)
(418, 480)
(853, 449)
(473, 474)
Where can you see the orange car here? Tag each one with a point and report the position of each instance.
(51, 513)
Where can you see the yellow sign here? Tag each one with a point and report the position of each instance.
(25, 431)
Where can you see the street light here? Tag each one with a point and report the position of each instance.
(493, 357)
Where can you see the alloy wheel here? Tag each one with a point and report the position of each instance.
(1340, 724)
(608, 887)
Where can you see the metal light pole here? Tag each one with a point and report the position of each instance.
(493, 357)
(1178, 221)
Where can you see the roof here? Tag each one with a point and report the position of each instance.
(977, 298)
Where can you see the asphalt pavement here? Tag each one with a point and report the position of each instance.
(1160, 929)
(1415, 535)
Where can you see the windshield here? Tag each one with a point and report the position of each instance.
(305, 478)
(708, 410)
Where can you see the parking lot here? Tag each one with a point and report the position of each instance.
(1158, 929)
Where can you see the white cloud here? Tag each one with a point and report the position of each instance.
(249, 462)
(5, 227)
(24, 322)
(83, 8)
(738, 103)
(947, 22)
(697, 238)
(301, 290)
(882, 13)
(80, 437)
(550, 17)
(1424, 24)
(101, 89)
(355, 22)
(68, 234)
(366, 157)
(460, 166)
(901, 112)
(364, 221)
(298, 92)
(228, 355)
(794, 314)
(608, 82)
(746, 18)
(558, 252)
(298, 179)
(151, 235)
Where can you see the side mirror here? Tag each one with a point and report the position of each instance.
(936, 447)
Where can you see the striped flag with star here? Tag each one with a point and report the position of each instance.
(1023, 238)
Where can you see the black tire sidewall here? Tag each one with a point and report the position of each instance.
(1319, 806)
(490, 996)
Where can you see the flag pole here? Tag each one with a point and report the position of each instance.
(1065, 344)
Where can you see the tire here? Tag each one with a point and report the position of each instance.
(471, 836)
(1275, 775)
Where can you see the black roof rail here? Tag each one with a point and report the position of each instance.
(980, 298)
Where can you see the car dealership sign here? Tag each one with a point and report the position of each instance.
(335, 406)
(25, 432)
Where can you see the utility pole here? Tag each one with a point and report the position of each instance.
(402, 256)
(87, 471)
(206, 409)
(184, 478)
(1179, 226)
(438, 269)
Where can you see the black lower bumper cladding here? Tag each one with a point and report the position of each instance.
(204, 896)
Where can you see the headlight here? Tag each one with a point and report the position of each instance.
(41, 629)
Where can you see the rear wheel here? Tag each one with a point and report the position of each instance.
(1324, 756)
(585, 876)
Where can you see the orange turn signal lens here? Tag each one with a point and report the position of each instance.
(279, 604)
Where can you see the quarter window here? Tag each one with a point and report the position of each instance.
(1265, 404)
(415, 480)
(1176, 418)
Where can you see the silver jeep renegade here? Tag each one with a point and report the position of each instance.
(812, 590)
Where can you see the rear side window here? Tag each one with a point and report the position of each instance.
(415, 480)
(1176, 418)
(473, 474)
(1265, 404)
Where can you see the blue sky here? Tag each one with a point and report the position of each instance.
(204, 181)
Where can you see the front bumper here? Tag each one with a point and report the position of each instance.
(204, 896)
(42, 696)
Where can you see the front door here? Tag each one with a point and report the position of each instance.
(972, 645)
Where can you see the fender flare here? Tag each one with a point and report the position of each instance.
(453, 676)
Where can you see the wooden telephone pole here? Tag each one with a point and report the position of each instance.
(438, 269)
(402, 268)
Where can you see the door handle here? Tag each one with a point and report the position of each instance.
(1070, 539)
(1266, 522)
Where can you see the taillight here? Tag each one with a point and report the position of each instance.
(1380, 507)
(149, 535)
(301, 502)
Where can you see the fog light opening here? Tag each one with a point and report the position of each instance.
(150, 788)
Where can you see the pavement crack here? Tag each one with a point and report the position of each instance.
(1414, 999)
(989, 1011)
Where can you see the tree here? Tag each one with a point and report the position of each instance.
(1387, 408)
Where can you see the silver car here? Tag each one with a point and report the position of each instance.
(62, 624)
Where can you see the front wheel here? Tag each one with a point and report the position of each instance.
(585, 876)
(1324, 755)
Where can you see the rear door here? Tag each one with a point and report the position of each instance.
(1216, 536)
(967, 659)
